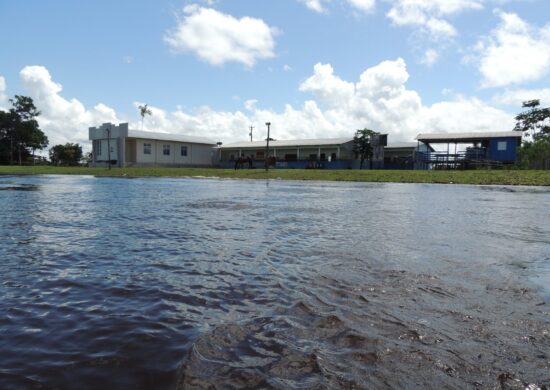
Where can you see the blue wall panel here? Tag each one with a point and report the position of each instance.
(502, 155)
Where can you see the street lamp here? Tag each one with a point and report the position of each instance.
(109, 145)
(268, 124)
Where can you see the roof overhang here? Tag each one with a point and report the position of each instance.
(435, 138)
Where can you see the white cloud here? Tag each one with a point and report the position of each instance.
(365, 6)
(515, 97)
(218, 38)
(430, 57)
(328, 88)
(379, 99)
(3, 97)
(514, 53)
(430, 15)
(463, 115)
(287, 68)
(315, 5)
(62, 120)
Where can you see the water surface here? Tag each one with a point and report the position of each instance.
(164, 283)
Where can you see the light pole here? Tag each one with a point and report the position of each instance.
(268, 124)
(109, 145)
(250, 134)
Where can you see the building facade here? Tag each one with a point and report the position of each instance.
(334, 153)
(126, 148)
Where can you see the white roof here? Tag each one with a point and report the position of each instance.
(397, 145)
(170, 137)
(289, 143)
(467, 136)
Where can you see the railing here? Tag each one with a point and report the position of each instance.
(459, 160)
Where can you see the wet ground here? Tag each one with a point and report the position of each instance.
(161, 283)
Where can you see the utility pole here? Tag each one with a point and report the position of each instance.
(251, 128)
(268, 124)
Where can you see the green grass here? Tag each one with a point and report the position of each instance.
(502, 177)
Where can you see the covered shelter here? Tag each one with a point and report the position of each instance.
(332, 153)
(487, 149)
(402, 155)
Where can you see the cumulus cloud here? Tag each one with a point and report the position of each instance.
(328, 88)
(218, 38)
(430, 15)
(515, 97)
(379, 99)
(514, 53)
(3, 96)
(62, 120)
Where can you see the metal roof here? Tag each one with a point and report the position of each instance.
(289, 143)
(401, 145)
(465, 137)
(169, 137)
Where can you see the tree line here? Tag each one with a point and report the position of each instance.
(534, 122)
(21, 137)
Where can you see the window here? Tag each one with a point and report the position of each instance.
(146, 148)
(98, 151)
(166, 150)
(501, 145)
(184, 151)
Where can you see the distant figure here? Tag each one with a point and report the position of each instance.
(237, 163)
(250, 162)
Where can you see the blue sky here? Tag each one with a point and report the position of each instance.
(314, 68)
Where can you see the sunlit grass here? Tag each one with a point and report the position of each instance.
(508, 177)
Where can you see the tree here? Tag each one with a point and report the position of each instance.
(7, 134)
(68, 154)
(535, 119)
(144, 110)
(536, 153)
(19, 130)
(362, 145)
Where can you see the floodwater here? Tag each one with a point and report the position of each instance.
(182, 283)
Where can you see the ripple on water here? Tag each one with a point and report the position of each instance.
(166, 283)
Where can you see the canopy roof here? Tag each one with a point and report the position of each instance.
(465, 137)
(289, 143)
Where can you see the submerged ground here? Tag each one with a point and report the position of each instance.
(176, 283)
(502, 177)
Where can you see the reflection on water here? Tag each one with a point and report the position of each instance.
(158, 283)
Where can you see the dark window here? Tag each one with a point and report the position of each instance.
(184, 151)
(291, 157)
(166, 150)
(146, 148)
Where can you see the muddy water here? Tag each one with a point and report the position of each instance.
(161, 283)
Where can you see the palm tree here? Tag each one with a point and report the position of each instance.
(144, 110)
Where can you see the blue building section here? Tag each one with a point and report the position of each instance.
(503, 149)
(486, 149)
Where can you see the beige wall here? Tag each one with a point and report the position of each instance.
(197, 154)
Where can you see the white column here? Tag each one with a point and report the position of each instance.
(297, 153)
